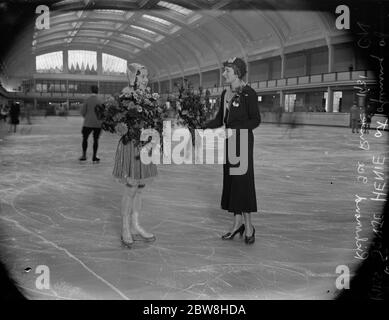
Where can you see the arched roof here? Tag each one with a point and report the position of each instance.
(173, 38)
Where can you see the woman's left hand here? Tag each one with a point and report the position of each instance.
(225, 133)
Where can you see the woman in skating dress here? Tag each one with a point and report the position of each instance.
(130, 171)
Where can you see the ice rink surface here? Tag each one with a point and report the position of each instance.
(58, 213)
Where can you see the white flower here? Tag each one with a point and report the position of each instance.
(121, 128)
(127, 91)
(155, 96)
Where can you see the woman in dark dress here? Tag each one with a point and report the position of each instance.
(238, 111)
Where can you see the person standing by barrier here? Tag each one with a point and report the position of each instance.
(354, 117)
(14, 114)
(91, 124)
(4, 113)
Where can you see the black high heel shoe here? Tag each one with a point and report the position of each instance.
(231, 235)
(251, 239)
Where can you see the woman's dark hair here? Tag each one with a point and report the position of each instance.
(238, 65)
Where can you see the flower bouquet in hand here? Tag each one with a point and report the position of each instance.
(191, 109)
(130, 113)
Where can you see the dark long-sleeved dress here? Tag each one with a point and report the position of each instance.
(242, 112)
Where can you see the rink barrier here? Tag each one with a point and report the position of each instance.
(316, 118)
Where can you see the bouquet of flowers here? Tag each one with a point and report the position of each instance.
(192, 108)
(130, 112)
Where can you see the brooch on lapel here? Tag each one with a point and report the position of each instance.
(235, 101)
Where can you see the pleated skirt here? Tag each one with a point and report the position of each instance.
(128, 167)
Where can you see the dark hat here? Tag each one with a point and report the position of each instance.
(238, 65)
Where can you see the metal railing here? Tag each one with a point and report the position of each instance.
(301, 82)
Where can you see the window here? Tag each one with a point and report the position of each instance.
(290, 101)
(114, 65)
(49, 63)
(72, 87)
(82, 62)
(27, 85)
(337, 101)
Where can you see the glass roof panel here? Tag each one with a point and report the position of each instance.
(156, 19)
(140, 41)
(143, 29)
(194, 18)
(66, 2)
(128, 48)
(100, 24)
(175, 8)
(130, 37)
(119, 12)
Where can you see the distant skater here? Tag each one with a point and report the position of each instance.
(91, 124)
(354, 118)
(14, 114)
(293, 124)
(4, 113)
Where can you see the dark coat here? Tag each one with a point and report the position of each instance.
(14, 113)
(239, 190)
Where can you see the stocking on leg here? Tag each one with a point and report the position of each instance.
(127, 203)
(136, 228)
